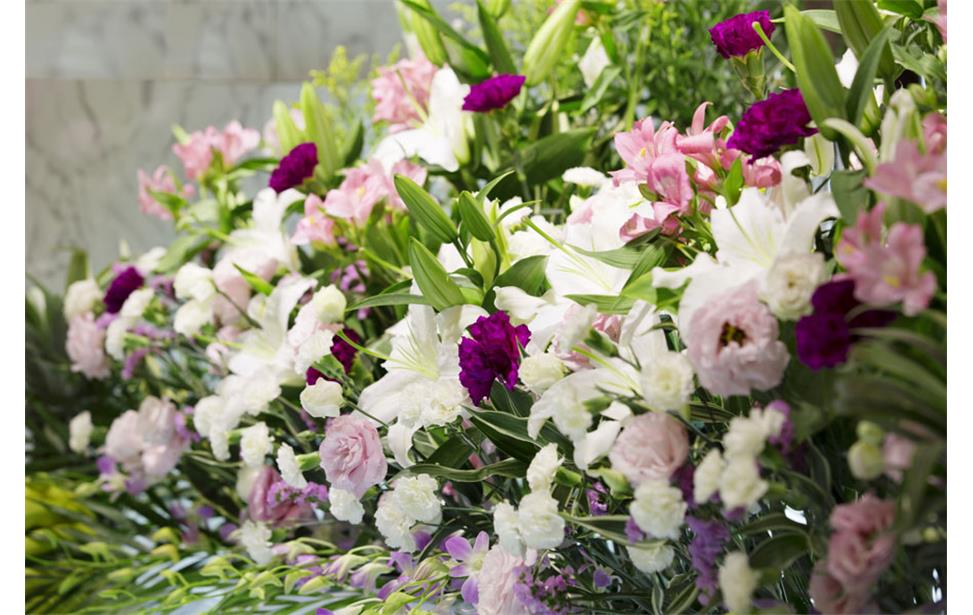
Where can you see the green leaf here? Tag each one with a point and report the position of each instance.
(77, 268)
(826, 19)
(780, 551)
(606, 304)
(445, 29)
(318, 129)
(860, 23)
(508, 432)
(255, 164)
(527, 274)
(181, 251)
(773, 522)
(554, 154)
(425, 210)
(353, 148)
(485, 191)
(863, 85)
(850, 195)
(816, 74)
(256, 282)
(909, 8)
(389, 299)
(451, 453)
(433, 281)
(511, 468)
(598, 89)
(733, 184)
(496, 47)
(287, 133)
(622, 258)
(475, 221)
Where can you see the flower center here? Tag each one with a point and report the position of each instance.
(731, 334)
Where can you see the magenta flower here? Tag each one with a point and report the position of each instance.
(127, 281)
(295, 167)
(778, 120)
(470, 560)
(494, 93)
(492, 353)
(736, 37)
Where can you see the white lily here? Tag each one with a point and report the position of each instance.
(266, 237)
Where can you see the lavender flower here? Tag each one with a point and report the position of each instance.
(295, 167)
(132, 361)
(778, 120)
(494, 93)
(469, 558)
(736, 36)
(492, 353)
(125, 283)
(704, 549)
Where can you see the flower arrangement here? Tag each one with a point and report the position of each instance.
(509, 343)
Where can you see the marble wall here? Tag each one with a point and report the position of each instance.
(106, 79)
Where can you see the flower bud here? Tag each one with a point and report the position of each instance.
(865, 460)
(547, 46)
(870, 432)
(426, 34)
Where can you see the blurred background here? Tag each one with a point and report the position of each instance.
(107, 79)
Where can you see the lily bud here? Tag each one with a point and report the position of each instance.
(547, 46)
(865, 460)
(426, 34)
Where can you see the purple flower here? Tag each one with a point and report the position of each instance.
(683, 477)
(494, 93)
(295, 167)
(106, 465)
(595, 506)
(736, 36)
(469, 558)
(492, 353)
(704, 549)
(633, 532)
(312, 375)
(785, 439)
(125, 283)
(343, 351)
(778, 120)
(132, 361)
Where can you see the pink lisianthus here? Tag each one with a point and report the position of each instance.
(867, 516)
(263, 506)
(886, 273)
(830, 596)
(85, 346)
(651, 447)
(351, 454)
(314, 226)
(161, 180)
(146, 461)
(914, 176)
(897, 453)
(861, 547)
(401, 92)
(640, 147)
(733, 346)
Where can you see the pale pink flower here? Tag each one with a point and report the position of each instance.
(351, 454)
(861, 547)
(498, 575)
(236, 291)
(897, 452)
(886, 273)
(663, 216)
(401, 92)
(235, 141)
(413, 171)
(196, 154)
(639, 147)
(161, 180)
(314, 226)
(358, 193)
(868, 515)
(668, 178)
(934, 133)
(830, 596)
(85, 346)
(270, 505)
(232, 143)
(159, 459)
(732, 343)
(124, 443)
(704, 143)
(651, 447)
(914, 176)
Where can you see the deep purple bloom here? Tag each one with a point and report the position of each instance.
(770, 124)
(736, 36)
(492, 353)
(125, 283)
(595, 506)
(705, 548)
(295, 167)
(312, 375)
(494, 93)
(683, 477)
(343, 351)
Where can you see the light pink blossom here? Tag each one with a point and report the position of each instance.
(662, 217)
(366, 185)
(914, 176)
(830, 596)
(495, 584)
(703, 142)
(275, 508)
(161, 180)
(351, 454)
(401, 92)
(314, 226)
(651, 447)
(640, 146)
(897, 452)
(232, 142)
(235, 141)
(85, 346)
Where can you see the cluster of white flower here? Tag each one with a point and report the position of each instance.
(413, 500)
(536, 524)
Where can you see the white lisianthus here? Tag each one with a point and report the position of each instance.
(540, 526)
(506, 526)
(255, 538)
(136, 304)
(115, 338)
(312, 349)
(667, 381)
(394, 523)
(418, 497)
(741, 485)
(322, 399)
(290, 470)
(790, 283)
(541, 471)
(345, 506)
(539, 372)
(255, 444)
(651, 557)
(192, 316)
(80, 429)
(658, 509)
(194, 281)
(249, 394)
(737, 582)
(81, 297)
(707, 477)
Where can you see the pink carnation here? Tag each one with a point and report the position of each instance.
(651, 447)
(351, 454)
(314, 226)
(160, 181)
(401, 92)
(85, 346)
(733, 346)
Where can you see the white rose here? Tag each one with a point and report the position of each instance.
(658, 509)
(737, 582)
(746, 437)
(790, 283)
(193, 281)
(328, 304)
(255, 538)
(667, 381)
(322, 399)
(651, 557)
(157, 420)
(540, 473)
(136, 304)
(539, 372)
(506, 526)
(192, 316)
(81, 297)
(312, 349)
(290, 470)
(741, 485)
(539, 524)
(255, 444)
(706, 478)
(80, 429)
(115, 338)
(394, 524)
(418, 497)
(345, 506)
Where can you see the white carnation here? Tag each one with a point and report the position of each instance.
(255, 538)
(81, 297)
(192, 316)
(539, 372)
(746, 437)
(255, 444)
(418, 497)
(290, 470)
(80, 429)
(658, 509)
(394, 524)
(540, 473)
(667, 381)
(442, 402)
(737, 582)
(706, 478)
(115, 338)
(790, 283)
(219, 441)
(322, 399)
(245, 478)
(651, 557)
(540, 526)
(193, 281)
(136, 304)
(741, 485)
(345, 506)
(506, 526)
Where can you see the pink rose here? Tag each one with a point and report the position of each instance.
(351, 454)
(266, 504)
(495, 583)
(85, 346)
(651, 447)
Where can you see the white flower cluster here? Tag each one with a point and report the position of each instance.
(216, 415)
(290, 469)
(255, 538)
(345, 506)
(536, 524)
(737, 582)
(413, 500)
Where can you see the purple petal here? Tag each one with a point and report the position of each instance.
(459, 548)
(470, 591)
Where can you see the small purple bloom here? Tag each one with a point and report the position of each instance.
(343, 351)
(683, 477)
(132, 361)
(225, 530)
(105, 465)
(633, 532)
(295, 167)
(312, 375)
(736, 36)
(595, 506)
(494, 93)
(205, 512)
(770, 124)
(704, 549)
(123, 285)
(492, 353)
(602, 579)
(785, 439)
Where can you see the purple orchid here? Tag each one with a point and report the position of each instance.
(469, 558)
